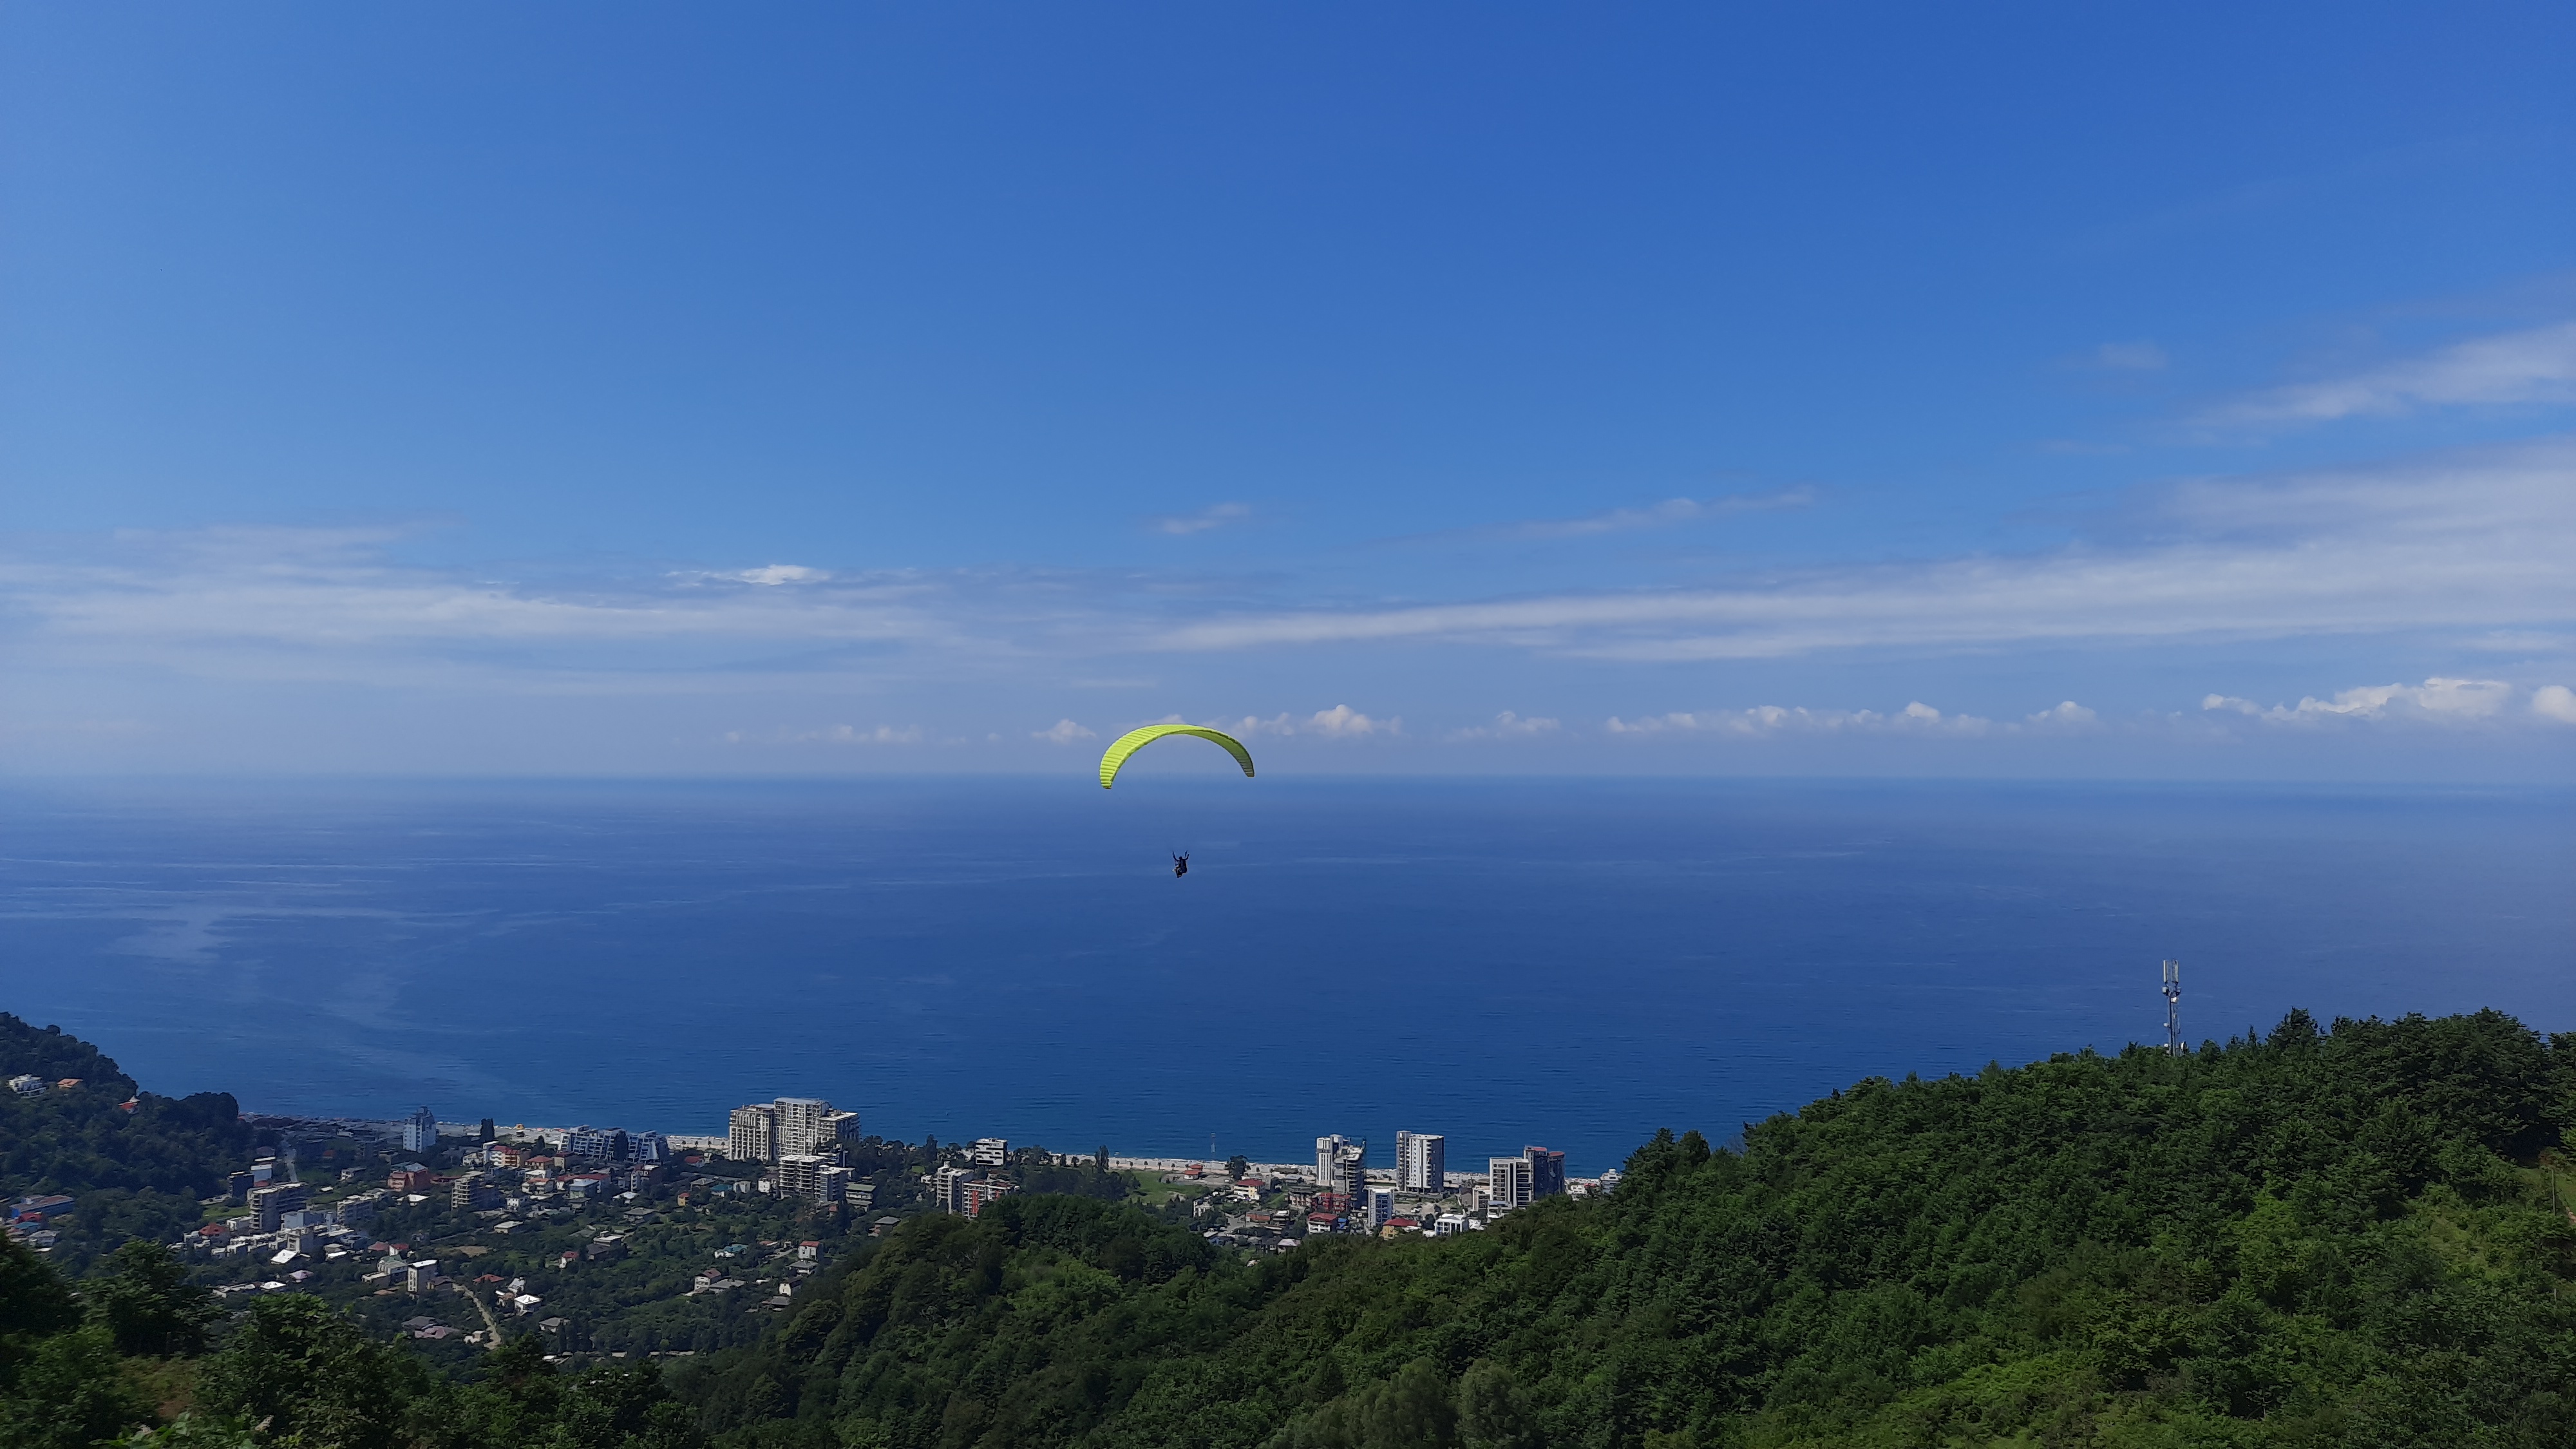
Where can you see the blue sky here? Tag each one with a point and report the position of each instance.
(2124, 391)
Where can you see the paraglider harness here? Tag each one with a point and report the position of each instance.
(1181, 864)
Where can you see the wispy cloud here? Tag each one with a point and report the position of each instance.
(1510, 726)
(2437, 700)
(1339, 722)
(1916, 718)
(2471, 544)
(1063, 732)
(839, 734)
(1184, 524)
(2534, 366)
(776, 574)
(2474, 539)
(1771, 719)
(1666, 514)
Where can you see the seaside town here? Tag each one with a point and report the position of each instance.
(605, 1239)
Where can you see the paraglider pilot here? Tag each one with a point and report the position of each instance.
(1181, 864)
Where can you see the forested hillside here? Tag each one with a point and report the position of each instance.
(2349, 1239)
(134, 1162)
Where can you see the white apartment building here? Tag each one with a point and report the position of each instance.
(811, 1176)
(789, 1127)
(802, 1123)
(269, 1205)
(1341, 1165)
(990, 1152)
(752, 1135)
(1381, 1206)
(1508, 1183)
(1421, 1162)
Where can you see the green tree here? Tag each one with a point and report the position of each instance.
(148, 1305)
(312, 1378)
(71, 1393)
(191, 1432)
(33, 1300)
(1493, 1413)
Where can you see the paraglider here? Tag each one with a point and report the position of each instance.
(1137, 739)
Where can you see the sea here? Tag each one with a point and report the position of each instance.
(1508, 962)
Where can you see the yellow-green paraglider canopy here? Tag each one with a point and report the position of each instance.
(1137, 739)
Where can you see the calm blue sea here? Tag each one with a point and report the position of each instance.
(1573, 963)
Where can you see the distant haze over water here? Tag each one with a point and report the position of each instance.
(1509, 962)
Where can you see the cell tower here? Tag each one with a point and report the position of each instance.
(2173, 1008)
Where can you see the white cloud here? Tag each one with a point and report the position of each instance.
(1772, 719)
(2471, 545)
(2554, 701)
(881, 735)
(839, 734)
(2447, 700)
(1344, 722)
(2535, 366)
(1657, 515)
(1916, 718)
(2476, 539)
(1509, 726)
(1063, 732)
(775, 574)
(2521, 641)
(1339, 722)
(1181, 525)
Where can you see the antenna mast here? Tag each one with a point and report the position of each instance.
(2173, 1008)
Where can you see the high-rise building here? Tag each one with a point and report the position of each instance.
(596, 1144)
(948, 1188)
(789, 1127)
(1507, 1183)
(1341, 1165)
(1421, 1162)
(801, 1125)
(270, 1205)
(811, 1176)
(1547, 1171)
(980, 1192)
(648, 1147)
(473, 1191)
(1381, 1206)
(420, 1131)
(990, 1152)
(752, 1135)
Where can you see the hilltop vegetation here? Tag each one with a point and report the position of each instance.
(133, 1171)
(2346, 1238)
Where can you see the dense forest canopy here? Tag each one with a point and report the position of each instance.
(2347, 1238)
(2354, 1237)
(134, 1162)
